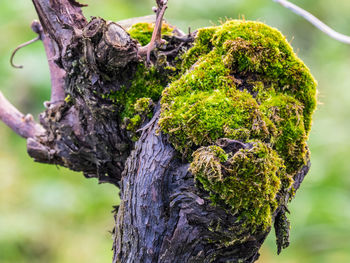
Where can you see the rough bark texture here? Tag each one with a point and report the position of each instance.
(164, 215)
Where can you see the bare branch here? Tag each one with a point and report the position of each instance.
(24, 126)
(315, 21)
(52, 53)
(157, 32)
(57, 74)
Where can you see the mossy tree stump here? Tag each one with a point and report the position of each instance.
(207, 142)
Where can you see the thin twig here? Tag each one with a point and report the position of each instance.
(18, 48)
(315, 21)
(157, 31)
(37, 28)
(23, 125)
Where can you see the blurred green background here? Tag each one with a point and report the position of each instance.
(49, 214)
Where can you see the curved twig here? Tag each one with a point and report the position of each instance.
(315, 21)
(37, 28)
(18, 48)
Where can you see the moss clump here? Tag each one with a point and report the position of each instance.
(241, 80)
(201, 106)
(134, 123)
(248, 182)
(142, 32)
(286, 114)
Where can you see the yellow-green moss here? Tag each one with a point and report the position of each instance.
(248, 183)
(142, 32)
(134, 123)
(241, 80)
(143, 105)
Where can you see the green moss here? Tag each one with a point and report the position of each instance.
(252, 180)
(142, 110)
(143, 106)
(241, 80)
(142, 32)
(134, 123)
(198, 108)
(147, 83)
(286, 113)
(201, 47)
(235, 73)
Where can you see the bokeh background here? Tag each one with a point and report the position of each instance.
(50, 214)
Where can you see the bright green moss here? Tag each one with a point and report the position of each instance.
(242, 81)
(232, 70)
(142, 32)
(134, 123)
(201, 47)
(251, 182)
(286, 113)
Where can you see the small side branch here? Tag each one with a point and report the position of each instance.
(57, 74)
(315, 21)
(24, 126)
(157, 32)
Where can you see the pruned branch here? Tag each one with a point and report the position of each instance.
(23, 125)
(315, 21)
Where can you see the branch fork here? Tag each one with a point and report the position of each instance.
(157, 32)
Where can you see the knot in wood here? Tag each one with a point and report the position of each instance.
(117, 36)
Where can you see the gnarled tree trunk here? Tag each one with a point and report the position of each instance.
(165, 215)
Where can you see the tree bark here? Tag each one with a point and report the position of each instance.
(164, 215)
